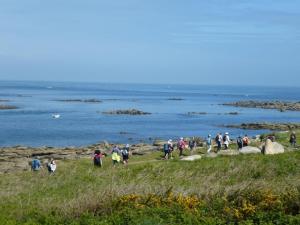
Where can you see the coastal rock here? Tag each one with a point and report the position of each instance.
(159, 143)
(197, 113)
(191, 158)
(232, 113)
(279, 105)
(7, 107)
(142, 149)
(250, 150)
(81, 100)
(272, 148)
(133, 112)
(266, 126)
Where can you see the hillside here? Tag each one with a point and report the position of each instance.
(244, 189)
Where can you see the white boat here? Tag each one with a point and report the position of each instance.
(55, 116)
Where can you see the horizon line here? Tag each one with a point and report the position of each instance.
(141, 83)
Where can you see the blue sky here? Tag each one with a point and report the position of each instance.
(253, 42)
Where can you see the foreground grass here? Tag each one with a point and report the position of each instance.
(247, 189)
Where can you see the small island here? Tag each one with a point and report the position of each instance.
(197, 113)
(266, 126)
(175, 99)
(133, 112)
(7, 107)
(81, 100)
(279, 105)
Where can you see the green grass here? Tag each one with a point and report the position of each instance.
(81, 194)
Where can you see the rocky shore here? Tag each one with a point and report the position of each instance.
(13, 159)
(133, 112)
(279, 105)
(266, 126)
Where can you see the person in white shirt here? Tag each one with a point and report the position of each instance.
(226, 140)
(52, 166)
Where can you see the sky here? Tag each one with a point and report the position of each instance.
(223, 42)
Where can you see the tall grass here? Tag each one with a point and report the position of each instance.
(226, 188)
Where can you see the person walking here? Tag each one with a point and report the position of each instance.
(240, 142)
(226, 140)
(218, 140)
(168, 149)
(115, 155)
(181, 146)
(208, 143)
(246, 140)
(98, 158)
(293, 139)
(125, 154)
(192, 144)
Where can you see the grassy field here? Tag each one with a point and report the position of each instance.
(243, 189)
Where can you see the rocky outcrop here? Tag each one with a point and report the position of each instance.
(232, 113)
(159, 143)
(18, 158)
(6, 107)
(250, 150)
(197, 113)
(133, 112)
(142, 149)
(266, 126)
(271, 148)
(279, 105)
(81, 100)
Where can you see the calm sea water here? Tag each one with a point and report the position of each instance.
(82, 124)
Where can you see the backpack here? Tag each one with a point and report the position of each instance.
(125, 152)
(239, 141)
(224, 138)
(181, 144)
(166, 147)
(97, 159)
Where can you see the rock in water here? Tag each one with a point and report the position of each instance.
(191, 158)
(250, 150)
(272, 148)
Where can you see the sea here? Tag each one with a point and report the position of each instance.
(83, 123)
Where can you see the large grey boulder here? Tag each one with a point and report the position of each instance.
(191, 158)
(272, 148)
(249, 150)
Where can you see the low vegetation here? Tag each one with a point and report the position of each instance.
(242, 189)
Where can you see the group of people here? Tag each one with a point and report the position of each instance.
(181, 146)
(220, 140)
(116, 154)
(225, 140)
(36, 165)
